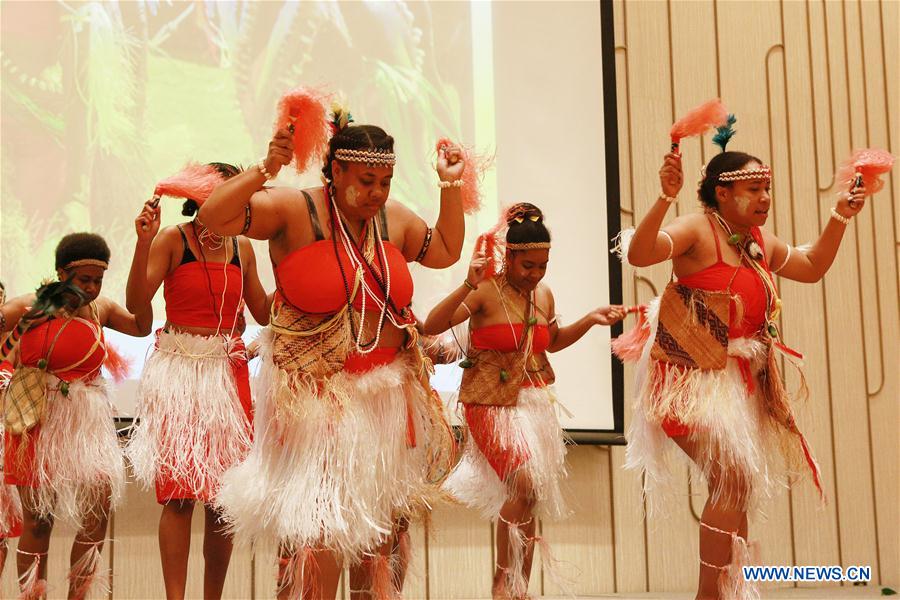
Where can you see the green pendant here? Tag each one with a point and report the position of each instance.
(773, 331)
(735, 239)
(504, 376)
(42, 364)
(532, 321)
(467, 363)
(64, 388)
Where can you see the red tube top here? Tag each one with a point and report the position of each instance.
(503, 338)
(76, 344)
(746, 285)
(193, 293)
(310, 279)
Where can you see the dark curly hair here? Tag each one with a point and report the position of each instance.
(79, 246)
(190, 207)
(356, 137)
(531, 229)
(726, 161)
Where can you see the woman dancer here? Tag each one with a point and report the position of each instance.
(194, 405)
(348, 434)
(707, 375)
(514, 456)
(65, 461)
(10, 507)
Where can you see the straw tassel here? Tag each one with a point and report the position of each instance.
(732, 585)
(383, 585)
(88, 571)
(516, 584)
(31, 586)
(298, 575)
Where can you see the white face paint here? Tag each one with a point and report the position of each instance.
(742, 203)
(352, 196)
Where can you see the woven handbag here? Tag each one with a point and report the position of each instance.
(314, 345)
(693, 328)
(493, 379)
(24, 400)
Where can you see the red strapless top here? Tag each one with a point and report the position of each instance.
(503, 338)
(77, 354)
(745, 284)
(310, 278)
(189, 301)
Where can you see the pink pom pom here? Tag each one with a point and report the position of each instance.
(699, 120)
(195, 182)
(870, 164)
(476, 165)
(629, 346)
(302, 110)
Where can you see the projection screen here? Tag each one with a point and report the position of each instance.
(101, 100)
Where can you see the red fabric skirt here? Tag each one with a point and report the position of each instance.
(167, 488)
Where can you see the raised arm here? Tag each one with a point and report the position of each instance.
(650, 244)
(151, 261)
(450, 311)
(444, 246)
(810, 265)
(241, 205)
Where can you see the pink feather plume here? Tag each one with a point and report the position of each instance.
(304, 109)
(116, 363)
(870, 164)
(476, 165)
(195, 182)
(629, 346)
(699, 120)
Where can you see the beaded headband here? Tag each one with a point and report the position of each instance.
(86, 262)
(529, 246)
(763, 172)
(376, 157)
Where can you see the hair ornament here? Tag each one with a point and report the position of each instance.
(86, 262)
(376, 157)
(340, 117)
(725, 132)
(519, 212)
(763, 172)
(528, 246)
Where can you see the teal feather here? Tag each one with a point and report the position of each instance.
(724, 133)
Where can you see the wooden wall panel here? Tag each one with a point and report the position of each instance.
(584, 544)
(460, 554)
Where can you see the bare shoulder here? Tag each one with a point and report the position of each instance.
(284, 201)
(169, 235)
(543, 296)
(768, 236)
(689, 221)
(104, 306)
(245, 245)
(399, 213)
